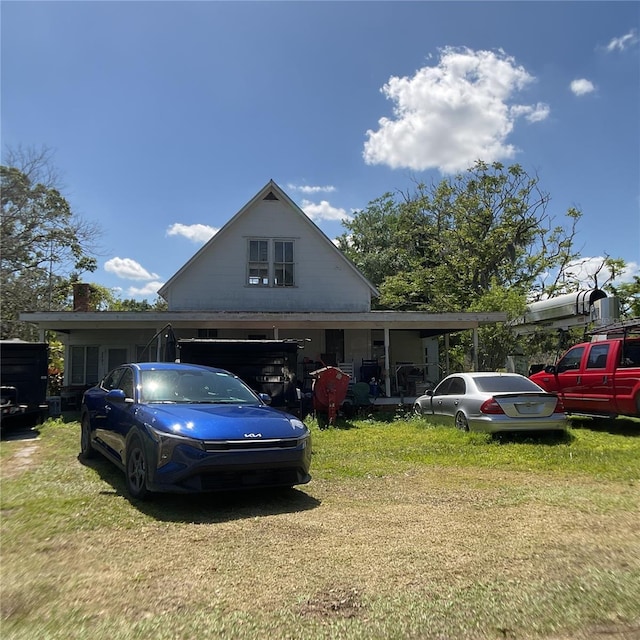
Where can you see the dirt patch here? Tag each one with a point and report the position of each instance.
(19, 444)
(335, 602)
(19, 461)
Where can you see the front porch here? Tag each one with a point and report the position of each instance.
(403, 344)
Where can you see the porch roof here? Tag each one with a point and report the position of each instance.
(433, 323)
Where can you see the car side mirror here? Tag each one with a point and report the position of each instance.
(265, 397)
(550, 368)
(116, 395)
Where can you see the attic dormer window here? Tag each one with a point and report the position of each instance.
(271, 263)
(283, 263)
(259, 263)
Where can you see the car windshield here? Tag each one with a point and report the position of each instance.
(198, 387)
(505, 384)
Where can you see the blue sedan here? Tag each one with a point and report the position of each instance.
(187, 428)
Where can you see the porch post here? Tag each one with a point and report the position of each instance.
(446, 354)
(475, 348)
(387, 364)
(275, 333)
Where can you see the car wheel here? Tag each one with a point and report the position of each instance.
(86, 448)
(461, 421)
(417, 409)
(136, 470)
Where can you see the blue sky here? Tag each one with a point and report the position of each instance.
(167, 117)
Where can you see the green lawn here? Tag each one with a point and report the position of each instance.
(407, 530)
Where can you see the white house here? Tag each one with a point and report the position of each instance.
(269, 273)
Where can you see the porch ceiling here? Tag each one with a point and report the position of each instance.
(433, 323)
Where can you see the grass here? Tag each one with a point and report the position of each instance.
(408, 530)
(378, 448)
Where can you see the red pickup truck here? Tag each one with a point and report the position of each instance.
(600, 378)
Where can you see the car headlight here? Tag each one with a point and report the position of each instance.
(167, 442)
(298, 424)
(305, 437)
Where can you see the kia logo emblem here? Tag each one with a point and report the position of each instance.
(253, 435)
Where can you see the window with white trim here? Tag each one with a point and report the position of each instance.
(271, 263)
(84, 365)
(259, 263)
(283, 263)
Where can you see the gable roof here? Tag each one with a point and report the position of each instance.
(271, 191)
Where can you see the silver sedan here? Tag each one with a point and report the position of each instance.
(492, 402)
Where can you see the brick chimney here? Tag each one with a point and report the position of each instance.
(82, 297)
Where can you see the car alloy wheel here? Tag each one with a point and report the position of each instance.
(461, 421)
(417, 409)
(86, 448)
(136, 470)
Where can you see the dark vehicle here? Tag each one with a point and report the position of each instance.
(188, 428)
(24, 378)
(267, 366)
(493, 402)
(600, 378)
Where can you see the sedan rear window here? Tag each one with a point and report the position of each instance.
(505, 384)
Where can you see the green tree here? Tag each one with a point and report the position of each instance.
(606, 275)
(131, 304)
(104, 299)
(43, 244)
(480, 241)
(443, 247)
(629, 295)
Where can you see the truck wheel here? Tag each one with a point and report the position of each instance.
(86, 448)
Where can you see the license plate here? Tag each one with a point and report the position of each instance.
(528, 408)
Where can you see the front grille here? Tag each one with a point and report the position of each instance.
(246, 445)
(222, 480)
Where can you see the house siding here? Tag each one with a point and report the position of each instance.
(216, 279)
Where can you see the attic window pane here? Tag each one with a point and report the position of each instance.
(258, 263)
(258, 276)
(283, 251)
(283, 265)
(284, 275)
(258, 250)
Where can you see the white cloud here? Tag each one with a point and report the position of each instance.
(449, 115)
(623, 42)
(310, 189)
(128, 269)
(324, 211)
(148, 290)
(198, 233)
(587, 270)
(349, 239)
(631, 271)
(532, 113)
(582, 86)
